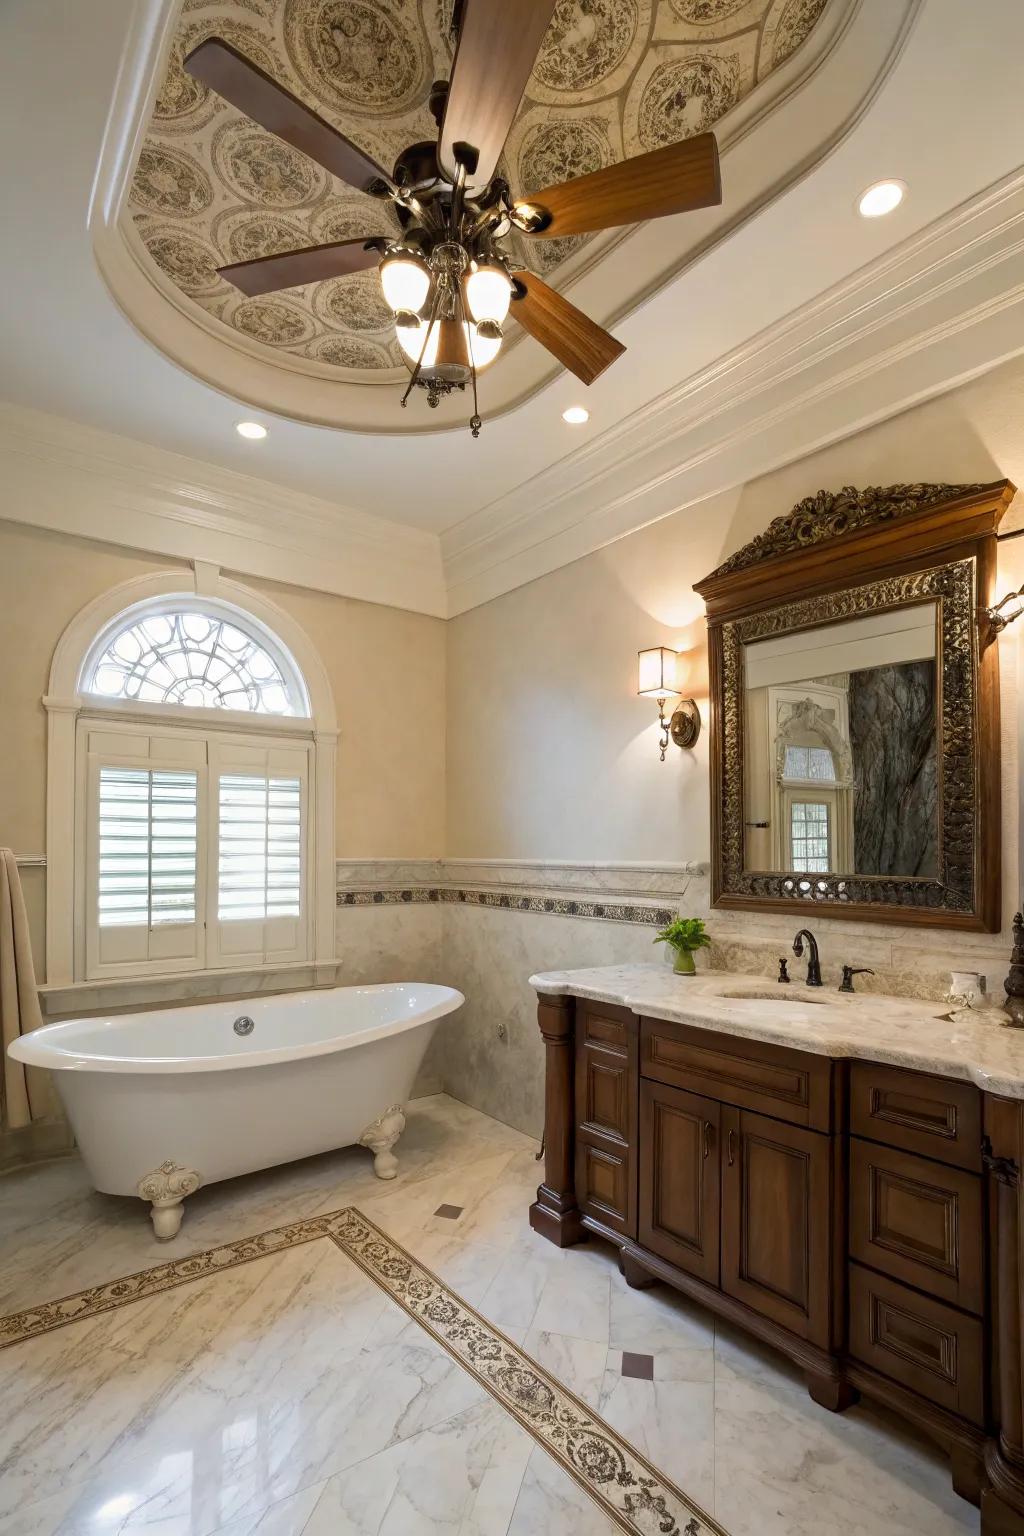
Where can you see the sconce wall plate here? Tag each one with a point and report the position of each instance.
(684, 726)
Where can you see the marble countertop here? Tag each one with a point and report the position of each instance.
(900, 1031)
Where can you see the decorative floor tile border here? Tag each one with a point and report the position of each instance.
(635, 1495)
(511, 901)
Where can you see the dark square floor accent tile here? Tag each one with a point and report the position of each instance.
(453, 1212)
(641, 1366)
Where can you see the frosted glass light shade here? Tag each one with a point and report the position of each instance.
(410, 338)
(488, 293)
(484, 349)
(657, 672)
(405, 281)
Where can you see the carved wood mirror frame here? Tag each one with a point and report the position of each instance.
(836, 556)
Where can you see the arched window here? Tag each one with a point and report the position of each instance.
(197, 778)
(198, 655)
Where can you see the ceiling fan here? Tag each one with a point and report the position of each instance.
(447, 279)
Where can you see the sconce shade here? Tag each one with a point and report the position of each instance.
(657, 672)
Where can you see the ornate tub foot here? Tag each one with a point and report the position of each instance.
(165, 1188)
(380, 1137)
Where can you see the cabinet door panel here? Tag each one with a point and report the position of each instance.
(606, 1117)
(776, 1221)
(679, 1178)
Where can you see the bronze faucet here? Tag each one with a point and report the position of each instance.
(813, 964)
(849, 972)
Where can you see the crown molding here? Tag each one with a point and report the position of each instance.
(69, 478)
(940, 308)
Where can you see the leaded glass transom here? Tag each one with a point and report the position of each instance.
(200, 660)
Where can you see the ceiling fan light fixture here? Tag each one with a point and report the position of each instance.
(488, 293)
(405, 280)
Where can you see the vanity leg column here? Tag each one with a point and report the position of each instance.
(554, 1213)
(1002, 1500)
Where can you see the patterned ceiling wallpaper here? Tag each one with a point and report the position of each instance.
(613, 79)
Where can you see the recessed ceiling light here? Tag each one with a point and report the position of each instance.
(576, 415)
(881, 198)
(250, 429)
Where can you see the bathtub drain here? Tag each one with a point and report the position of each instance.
(244, 1025)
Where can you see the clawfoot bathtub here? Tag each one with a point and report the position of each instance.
(165, 1101)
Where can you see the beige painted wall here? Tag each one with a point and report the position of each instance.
(390, 791)
(550, 753)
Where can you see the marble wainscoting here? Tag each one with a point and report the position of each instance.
(498, 920)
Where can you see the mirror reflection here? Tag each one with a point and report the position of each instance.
(840, 747)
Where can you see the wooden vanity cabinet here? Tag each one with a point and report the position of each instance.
(864, 1219)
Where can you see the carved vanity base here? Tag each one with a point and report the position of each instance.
(861, 1218)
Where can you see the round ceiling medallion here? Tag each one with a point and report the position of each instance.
(587, 46)
(356, 302)
(352, 352)
(262, 169)
(273, 322)
(686, 96)
(785, 28)
(166, 182)
(189, 264)
(356, 54)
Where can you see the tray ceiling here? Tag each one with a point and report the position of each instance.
(615, 78)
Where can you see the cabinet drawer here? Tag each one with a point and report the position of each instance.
(925, 1345)
(918, 1221)
(770, 1079)
(920, 1113)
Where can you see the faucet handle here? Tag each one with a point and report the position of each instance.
(849, 972)
(783, 969)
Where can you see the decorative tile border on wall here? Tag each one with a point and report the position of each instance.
(613, 912)
(634, 1494)
(649, 894)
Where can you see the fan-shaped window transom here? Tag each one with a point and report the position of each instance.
(198, 659)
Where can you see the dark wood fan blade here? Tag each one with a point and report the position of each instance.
(494, 58)
(578, 342)
(311, 264)
(675, 179)
(241, 82)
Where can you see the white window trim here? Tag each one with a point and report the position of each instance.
(65, 705)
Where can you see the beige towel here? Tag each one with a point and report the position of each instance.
(19, 1000)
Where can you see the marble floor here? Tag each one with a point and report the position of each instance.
(293, 1394)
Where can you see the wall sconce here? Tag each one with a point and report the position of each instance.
(997, 619)
(657, 679)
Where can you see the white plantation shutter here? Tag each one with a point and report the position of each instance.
(259, 868)
(145, 845)
(259, 878)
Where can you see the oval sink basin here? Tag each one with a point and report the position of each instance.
(771, 997)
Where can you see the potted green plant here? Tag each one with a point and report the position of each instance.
(685, 934)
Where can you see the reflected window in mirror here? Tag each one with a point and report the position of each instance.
(841, 732)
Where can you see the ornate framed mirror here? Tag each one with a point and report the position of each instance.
(855, 709)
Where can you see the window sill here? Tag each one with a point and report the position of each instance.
(132, 992)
